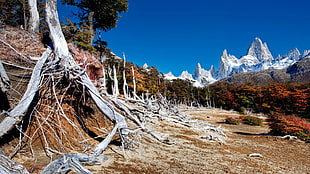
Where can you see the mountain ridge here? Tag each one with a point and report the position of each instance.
(257, 58)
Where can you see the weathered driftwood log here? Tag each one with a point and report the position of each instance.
(8, 166)
(73, 162)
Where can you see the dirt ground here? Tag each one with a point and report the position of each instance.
(192, 154)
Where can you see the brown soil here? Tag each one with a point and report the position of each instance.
(192, 154)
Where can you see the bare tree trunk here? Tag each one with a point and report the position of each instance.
(115, 86)
(125, 85)
(134, 83)
(103, 81)
(91, 26)
(34, 20)
(59, 42)
(25, 16)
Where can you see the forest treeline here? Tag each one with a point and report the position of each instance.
(286, 98)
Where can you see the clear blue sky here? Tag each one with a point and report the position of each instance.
(174, 35)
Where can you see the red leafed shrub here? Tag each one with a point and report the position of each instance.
(281, 124)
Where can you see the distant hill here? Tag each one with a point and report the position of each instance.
(299, 72)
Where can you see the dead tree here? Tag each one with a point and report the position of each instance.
(115, 84)
(125, 85)
(74, 72)
(34, 20)
(5, 84)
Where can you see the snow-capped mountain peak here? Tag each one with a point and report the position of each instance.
(186, 75)
(227, 62)
(145, 66)
(293, 54)
(258, 58)
(170, 76)
(202, 76)
(259, 50)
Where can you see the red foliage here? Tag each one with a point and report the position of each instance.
(85, 59)
(281, 124)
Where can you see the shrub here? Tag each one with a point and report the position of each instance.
(252, 121)
(241, 110)
(281, 124)
(231, 120)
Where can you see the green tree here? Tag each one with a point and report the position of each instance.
(99, 14)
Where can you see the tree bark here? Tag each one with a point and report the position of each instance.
(91, 26)
(34, 20)
(115, 85)
(59, 42)
(125, 85)
(8, 166)
(5, 83)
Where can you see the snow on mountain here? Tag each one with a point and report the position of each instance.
(202, 76)
(145, 66)
(306, 54)
(258, 58)
(284, 61)
(227, 63)
(259, 50)
(170, 76)
(186, 75)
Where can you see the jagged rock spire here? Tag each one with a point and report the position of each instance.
(226, 64)
(259, 50)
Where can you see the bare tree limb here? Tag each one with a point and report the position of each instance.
(72, 162)
(8, 166)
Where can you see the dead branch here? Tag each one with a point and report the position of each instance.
(8, 166)
(73, 162)
(17, 66)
